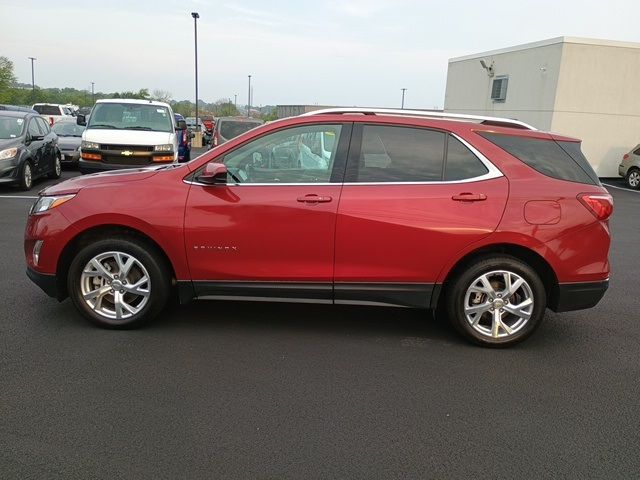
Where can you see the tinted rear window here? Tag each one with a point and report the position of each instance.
(561, 160)
(230, 129)
(47, 109)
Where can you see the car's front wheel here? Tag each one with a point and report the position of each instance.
(633, 178)
(118, 283)
(25, 180)
(497, 301)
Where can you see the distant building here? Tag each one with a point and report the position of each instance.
(584, 88)
(295, 110)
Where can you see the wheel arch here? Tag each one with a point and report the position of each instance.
(100, 232)
(524, 254)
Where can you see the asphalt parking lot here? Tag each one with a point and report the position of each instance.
(270, 391)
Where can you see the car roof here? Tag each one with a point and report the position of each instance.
(240, 119)
(17, 114)
(132, 101)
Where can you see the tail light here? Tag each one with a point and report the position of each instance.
(599, 204)
(50, 121)
(625, 156)
(184, 137)
(215, 140)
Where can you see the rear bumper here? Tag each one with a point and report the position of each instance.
(47, 282)
(579, 296)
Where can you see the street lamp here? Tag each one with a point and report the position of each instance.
(403, 90)
(249, 98)
(235, 102)
(196, 16)
(93, 97)
(33, 81)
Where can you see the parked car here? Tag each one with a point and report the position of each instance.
(53, 112)
(123, 133)
(206, 134)
(629, 167)
(184, 139)
(28, 149)
(209, 122)
(227, 128)
(69, 140)
(487, 220)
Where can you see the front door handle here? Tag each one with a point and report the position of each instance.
(312, 198)
(469, 197)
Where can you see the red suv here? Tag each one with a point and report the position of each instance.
(488, 220)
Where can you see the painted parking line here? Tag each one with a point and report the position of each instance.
(26, 197)
(621, 188)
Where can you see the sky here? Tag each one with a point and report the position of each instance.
(348, 52)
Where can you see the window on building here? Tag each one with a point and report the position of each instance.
(499, 89)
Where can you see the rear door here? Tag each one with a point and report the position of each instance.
(412, 199)
(270, 231)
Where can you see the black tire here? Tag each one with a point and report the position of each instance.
(187, 157)
(25, 180)
(57, 168)
(482, 333)
(159, 285)
(633, 178)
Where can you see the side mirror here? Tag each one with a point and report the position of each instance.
(81, 120)
(214, 174)
(181, 125)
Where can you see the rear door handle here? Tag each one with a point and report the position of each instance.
(312, 198)
(469, 197)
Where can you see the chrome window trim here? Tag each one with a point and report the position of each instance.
(493, 172)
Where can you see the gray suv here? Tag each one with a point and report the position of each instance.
(629, 168)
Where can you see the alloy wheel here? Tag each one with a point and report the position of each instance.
(634, 179)
(498, 304)
(115, 285)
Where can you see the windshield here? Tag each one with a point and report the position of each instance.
(11, 127)
(131, 116)
(230, 129)
(68, 129)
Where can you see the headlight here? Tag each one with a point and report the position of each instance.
(167, 147)
(90, 145)
(8, 153)
(45, 203)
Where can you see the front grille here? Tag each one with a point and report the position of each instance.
(131, 148)
(120, 160)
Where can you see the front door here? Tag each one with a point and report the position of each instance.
(269, 232)
(405, 211)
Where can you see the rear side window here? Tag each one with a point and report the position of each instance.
(230, 129)
(561, 160)
(400, 154)
(461, 162)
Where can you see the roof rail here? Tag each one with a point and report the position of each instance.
(496, 121)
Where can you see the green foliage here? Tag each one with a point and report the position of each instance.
(6, 77)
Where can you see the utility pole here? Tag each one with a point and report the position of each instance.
(33, 78)
(196, 16)
(93, 96)
(403, 90)
(235, 101)
(249, 98)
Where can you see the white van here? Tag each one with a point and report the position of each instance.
(124, 133)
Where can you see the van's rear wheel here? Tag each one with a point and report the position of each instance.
(118, 283)
(497, 301)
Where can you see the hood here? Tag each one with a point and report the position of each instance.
(10, 142)
(69, 143)
(75, 184)
(126, 137)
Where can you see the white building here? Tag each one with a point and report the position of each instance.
(584, 88)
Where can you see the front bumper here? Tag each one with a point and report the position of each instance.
(578, 296)
(69, 156)
(89, 166)
(47, 282)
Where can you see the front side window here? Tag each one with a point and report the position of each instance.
(34, 131)
(44, 127)
(399, 154)
(131, 116)
(295, 155)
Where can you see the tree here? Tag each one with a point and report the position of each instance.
(7, 78)
(161, 96)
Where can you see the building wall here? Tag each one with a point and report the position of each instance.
(598, 101)
(533, 76)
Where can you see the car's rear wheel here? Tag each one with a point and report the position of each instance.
(118, 283)
(26, 176)
(633, 178)
(497, 301)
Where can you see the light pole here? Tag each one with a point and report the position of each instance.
(93, 97)
(249, 98)
(403, 90)
(235, 102)
(196, 16)
(33, 81)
